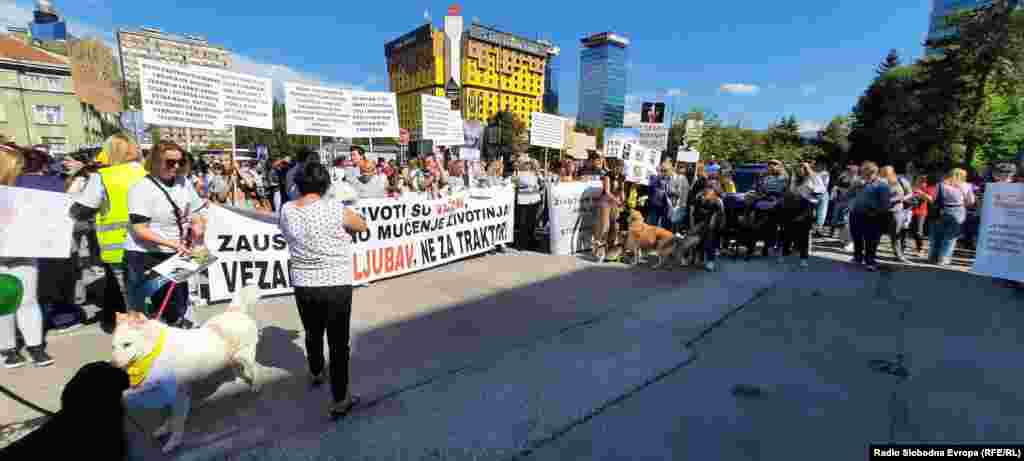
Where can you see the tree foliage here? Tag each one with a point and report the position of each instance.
(279, 142)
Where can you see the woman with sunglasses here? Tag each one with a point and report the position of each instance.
(165, 214)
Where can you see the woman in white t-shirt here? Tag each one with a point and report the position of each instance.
(317, 230)
(166, 219)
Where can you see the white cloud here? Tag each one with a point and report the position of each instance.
(739, 88)
(281, 74)
(812, 125)
(631, 119)
(808, 90)
(674, 92)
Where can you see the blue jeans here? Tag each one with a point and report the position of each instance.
(822, 209)
(141, 287)
(945, 230)
(660, 217)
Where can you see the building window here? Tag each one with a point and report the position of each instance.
(58, 146)
(50, 115)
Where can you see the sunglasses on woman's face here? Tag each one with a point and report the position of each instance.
(174, 163)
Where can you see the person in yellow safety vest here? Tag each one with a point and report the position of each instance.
(106, 197)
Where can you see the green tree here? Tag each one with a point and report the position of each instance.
(510, 135)
(984, 54)
(834, 140)
(1006, 135)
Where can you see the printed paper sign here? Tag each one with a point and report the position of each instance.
(1001, 245)
(638, 171)
(654, 136)
(572, 212)
(436, 118)
(374, 115)
(318, 111)
(547, 131)
(248, 100)
(689, 156)
(34, 223)
(619, 142)
(405, 235)
(181, 96)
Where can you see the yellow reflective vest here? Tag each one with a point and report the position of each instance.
(112, 222)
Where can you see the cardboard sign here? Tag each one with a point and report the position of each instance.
(654, 136)
(619, 142)
(572, 213)
(36, 224)
(318, 111)
(181, 96)
(689, 156)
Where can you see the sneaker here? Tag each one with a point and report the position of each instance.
(848, 247)
(342, 409)
(871, 268)
(709, 266)
(39, 356)
(13, 359)
(803, 263)
(856, 260)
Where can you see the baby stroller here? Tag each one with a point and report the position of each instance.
(759, 223)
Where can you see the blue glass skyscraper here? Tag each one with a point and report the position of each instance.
(602, 101)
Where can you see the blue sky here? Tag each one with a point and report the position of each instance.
(748, 61)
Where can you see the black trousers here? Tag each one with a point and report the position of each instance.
(917, 231)
(526, 226)
(798, 234)
(327, 309)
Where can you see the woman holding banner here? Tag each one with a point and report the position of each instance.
(320, 244)
(28, 318)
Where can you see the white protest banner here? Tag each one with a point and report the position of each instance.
(654, 136)
(1001, 245)
(689, 156)
(405, 235)
(572, 212)
(318, 111)
(248, 100)
(436, 117)
(34, 223)
(181, 96)
(547, 131)
(619, 142)
(473, 131)
(374, 115)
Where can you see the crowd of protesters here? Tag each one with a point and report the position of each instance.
(134, 209)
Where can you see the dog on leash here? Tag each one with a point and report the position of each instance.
(642, 237)
(163, 362)
(90, 420)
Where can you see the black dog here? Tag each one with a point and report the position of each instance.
(90, 422)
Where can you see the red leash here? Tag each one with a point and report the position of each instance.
(167, 298)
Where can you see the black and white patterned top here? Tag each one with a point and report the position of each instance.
(320, 247)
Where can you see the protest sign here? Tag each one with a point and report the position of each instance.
(473, 133)
(639, 170)
(654, 136)
(436, 118)
(689, 156)
(36, 224)
(547, 130)
(318, 111)
(181, 96)
(374, 115)
(405, 235)
(619, 142)
(455, 135)
(1001, 244)
(572, 212)
(248, 100)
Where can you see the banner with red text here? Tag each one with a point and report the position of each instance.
(405, 235)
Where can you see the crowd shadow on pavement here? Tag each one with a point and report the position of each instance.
(494, 315)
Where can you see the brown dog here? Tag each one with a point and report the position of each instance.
(642, 237)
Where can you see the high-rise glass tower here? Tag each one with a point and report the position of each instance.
(602, 99)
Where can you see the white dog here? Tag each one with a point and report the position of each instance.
(163, 361)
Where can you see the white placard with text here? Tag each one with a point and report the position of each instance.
(318, 111)
(547, 131)
(181, 96)
(248, 100)
(436, 118)
(374, 115)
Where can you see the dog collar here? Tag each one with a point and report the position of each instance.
(139, 369)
